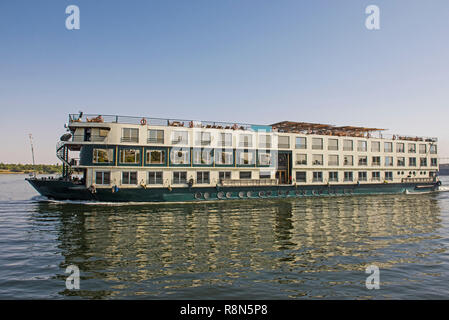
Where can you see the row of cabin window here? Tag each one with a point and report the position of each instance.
(348, 176)
(178, 177)
(348, 160)
(182, 156)
(246, 140)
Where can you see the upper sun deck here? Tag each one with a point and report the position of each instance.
(77, 120)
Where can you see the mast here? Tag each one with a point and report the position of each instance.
(32, 153)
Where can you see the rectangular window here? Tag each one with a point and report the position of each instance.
(202, 156)
(412, 162)
(363, 160)
(423, 162)
(180, 156)
(180, 137)
(376, 161)
(224, 175)
(155, 177)
(103, 177)
(130, 156)
(246, 140)
(264, 141)
(317, 176)
(348, 176)
(103, 155)
(202, 177)
(264, 158)
(375, 176)
(401, 162)
(225, 140)
(300, 176)
(362, 176)
(155, 136)
(129, 177)
(348, 160)
(433, 149)
(422, 148)
(434, 162)
(348, 145)
(317, 143)
(412, 148)
(130, 135)
(362, 146)
(375, 146)
(301, 143)
(332, 144)
(245, 174)
(400, 147)
(333, 176)
(283, 142)
(246, 157)
(333, 160)
(202, 138)
(317, 159)
(223, 156)
(389, 161)
(265, 175)
(301, 159)
(388, 147)
(155, 157)
(179, 177)
(388, 175)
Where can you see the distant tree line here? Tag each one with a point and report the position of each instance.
(28, 168)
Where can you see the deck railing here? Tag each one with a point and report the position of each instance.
(249, 182)
(414, 180)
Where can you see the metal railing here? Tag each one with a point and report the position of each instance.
(413, 180)
(249, 182)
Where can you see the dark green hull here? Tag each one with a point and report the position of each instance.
(66, 190)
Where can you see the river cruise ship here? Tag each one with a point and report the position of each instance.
(140, 159)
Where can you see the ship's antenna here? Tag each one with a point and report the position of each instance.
(32, 154)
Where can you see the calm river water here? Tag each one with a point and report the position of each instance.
(301, 248)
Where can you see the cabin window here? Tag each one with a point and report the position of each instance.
(333, 160)
(130, 135)
(400, 147)
(363, 160)
(376, 161)
(412, 162)
(423, 162)
(348, 145)
(246, 140)
(130, 156)
(317, 143)
(246, 158)
(155, 177)
(301, 143)
(317, 159)
(348, 160)
(103, 155)
(155, 136)
(202, 156)
(102, 177)
(433, 149)
(202, 177)
(388, 147)
(180, 156)
(223, 156)
(362, 176)
(245, 174)
(264, 158)
(301, 159)
(333, 176)
(422, 148)
(375, 146)
(155, 157)
(401, 162)
(317, 176)
(179, 177)
(433, 162)
(362, 146)
(264, 141)
(388, 175)
(225, 140)
(332, 144)
(389, 161)
(348, 176)
(129, 177)
(412, 148)
(265, 175)
(202, 138)
(180, 137)
(300, 176)
(283, 142)
(375, 176)
(224, 175)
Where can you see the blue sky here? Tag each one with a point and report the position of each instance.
(251, 61)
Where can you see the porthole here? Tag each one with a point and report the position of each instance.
(228, 195)
(249, 194)
(198, 195)
(206, 195)
(220, 195)
(241, 194)
(261, 194)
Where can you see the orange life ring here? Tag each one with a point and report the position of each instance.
(143, 121)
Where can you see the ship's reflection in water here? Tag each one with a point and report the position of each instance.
(312, 248)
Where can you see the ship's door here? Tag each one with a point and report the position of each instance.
(281, 175)
(283, 171)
